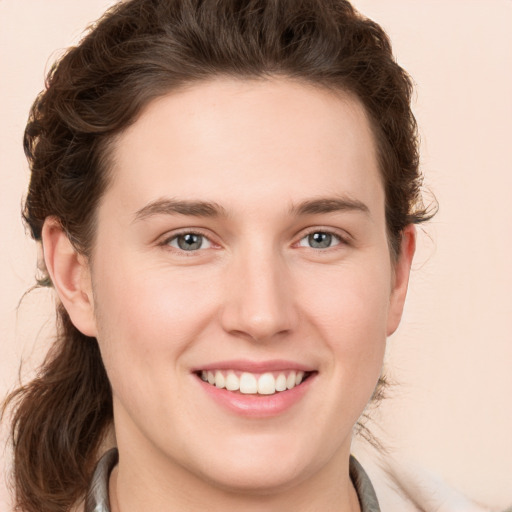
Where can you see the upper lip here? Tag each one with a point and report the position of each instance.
(245, 365)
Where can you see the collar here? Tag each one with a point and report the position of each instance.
(97, 496)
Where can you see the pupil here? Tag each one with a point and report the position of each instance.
(189, 242)
(320, 240)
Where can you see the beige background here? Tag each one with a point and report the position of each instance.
(452, 357)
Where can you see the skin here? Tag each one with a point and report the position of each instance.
(256, 290)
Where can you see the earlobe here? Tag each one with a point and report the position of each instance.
(70, 275)
(401, 278)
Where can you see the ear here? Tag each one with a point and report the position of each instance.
(402, 269)
(70, 275)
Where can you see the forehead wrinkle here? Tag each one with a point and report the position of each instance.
(169, 206)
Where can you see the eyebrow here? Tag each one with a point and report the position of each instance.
(329, 205)
(212, 209)
(180, 207)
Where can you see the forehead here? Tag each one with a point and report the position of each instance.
(237, 141)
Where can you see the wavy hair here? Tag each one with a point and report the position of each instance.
(138, 51)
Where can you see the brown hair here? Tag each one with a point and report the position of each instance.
(138, 51)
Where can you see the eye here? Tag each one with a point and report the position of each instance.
(320, 240)
(189, 242)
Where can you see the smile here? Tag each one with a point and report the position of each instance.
(248, 383)
(256, 389)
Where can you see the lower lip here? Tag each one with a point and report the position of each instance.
(257, 406)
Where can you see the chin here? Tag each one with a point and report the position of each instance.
(257, 479)
(260, 466)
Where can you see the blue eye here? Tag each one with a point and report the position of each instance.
(320, 240)
(189, 242)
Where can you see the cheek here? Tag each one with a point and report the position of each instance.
(147, 320)
(350, 300)
(349, 308)
(147, 317)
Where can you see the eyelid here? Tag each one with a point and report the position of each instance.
(343, 237)
(165, 240)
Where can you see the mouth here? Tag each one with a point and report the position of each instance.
(256, 389)
(249, 383)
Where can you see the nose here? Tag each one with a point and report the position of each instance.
(259, 301)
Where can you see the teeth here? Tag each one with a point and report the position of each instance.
(220, 382)
(290, 381)
(232, 382)
(266, 384)
(249, 383)
(281, 382)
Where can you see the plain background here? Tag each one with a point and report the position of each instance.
(451, 409)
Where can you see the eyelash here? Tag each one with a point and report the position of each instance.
(168, 241)
(341, 240)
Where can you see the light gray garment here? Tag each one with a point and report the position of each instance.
(97, 496)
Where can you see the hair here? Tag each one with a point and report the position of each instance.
(138, 51)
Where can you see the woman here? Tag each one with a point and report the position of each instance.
(226, 195)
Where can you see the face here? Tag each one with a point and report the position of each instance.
(242, 282)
